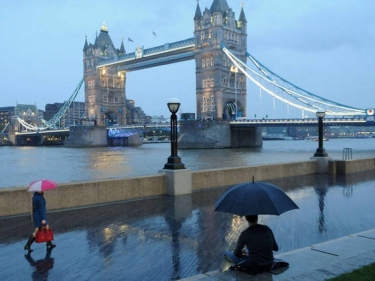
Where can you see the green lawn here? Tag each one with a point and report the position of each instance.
(366, 273)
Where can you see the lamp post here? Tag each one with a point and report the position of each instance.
(174, 161)
(320, 151)
(234, 69)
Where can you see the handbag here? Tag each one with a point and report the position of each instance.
(44, 235)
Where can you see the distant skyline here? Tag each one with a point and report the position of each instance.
(325, 47)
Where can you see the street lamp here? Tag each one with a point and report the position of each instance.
(234, 69)
(320, 151)
(174, 161)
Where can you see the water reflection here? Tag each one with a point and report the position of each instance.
(176, 237)
(178, 210)
(321, 189)
(41, 266)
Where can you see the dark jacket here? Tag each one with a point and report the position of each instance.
(260, 242)
(39, 209)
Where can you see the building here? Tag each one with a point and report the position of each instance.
(6, 113)
(73, 116)
(134, 115)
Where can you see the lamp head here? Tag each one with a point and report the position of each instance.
(234, 69)
(320, 114)
(173, 105)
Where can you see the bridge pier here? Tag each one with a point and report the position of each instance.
(217, 134)
(86, 136)
(246, 136)
(28, 140)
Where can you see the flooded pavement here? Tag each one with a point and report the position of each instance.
(169, 238)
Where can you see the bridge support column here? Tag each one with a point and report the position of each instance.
(178, 182)
(86, 136)
(204, 134)
(246, 137)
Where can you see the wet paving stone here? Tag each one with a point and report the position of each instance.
(168, 238)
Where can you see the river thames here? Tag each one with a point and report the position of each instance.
(21, 165)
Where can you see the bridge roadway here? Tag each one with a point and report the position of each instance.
(283, 122)
(305, 122)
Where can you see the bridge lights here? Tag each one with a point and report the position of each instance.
(320, 151)
(174, 161)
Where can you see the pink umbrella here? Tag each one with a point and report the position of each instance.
(41, 185)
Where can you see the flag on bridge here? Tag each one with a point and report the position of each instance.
(130, 39)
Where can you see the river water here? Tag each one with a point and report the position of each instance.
(21, 165)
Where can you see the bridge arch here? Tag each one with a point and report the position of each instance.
(229, 111)
(110, 119)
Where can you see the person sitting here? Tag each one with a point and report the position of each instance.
(254, 250)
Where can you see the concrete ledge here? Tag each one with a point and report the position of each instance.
(17, 201)
(342, 167)
(223, 177)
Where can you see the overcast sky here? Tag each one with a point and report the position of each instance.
(326, 47)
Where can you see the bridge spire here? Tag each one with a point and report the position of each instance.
(198, 13)
(242, 14)
(122, 48)
(86, 46)
(219, 6)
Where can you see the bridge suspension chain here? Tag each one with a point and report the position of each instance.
(56, 118)
(287, 92)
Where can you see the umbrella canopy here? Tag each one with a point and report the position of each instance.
(41, 185)
(254, 198)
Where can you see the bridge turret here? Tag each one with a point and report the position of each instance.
(122, 51)
(105, 100)
(218, 89)
(198, 17)
(86, 45)
(242, 22)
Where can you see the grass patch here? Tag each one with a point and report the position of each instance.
(366, 273)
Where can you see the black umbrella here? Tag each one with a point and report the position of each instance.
(254, 198)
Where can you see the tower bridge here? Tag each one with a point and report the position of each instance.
(219, 90)
(219, 48)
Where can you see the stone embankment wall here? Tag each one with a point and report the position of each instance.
(342, 167)
(17, 201)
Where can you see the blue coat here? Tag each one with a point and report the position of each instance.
(39, 209)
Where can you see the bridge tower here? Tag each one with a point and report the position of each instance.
(105, 99)
(219, 88)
